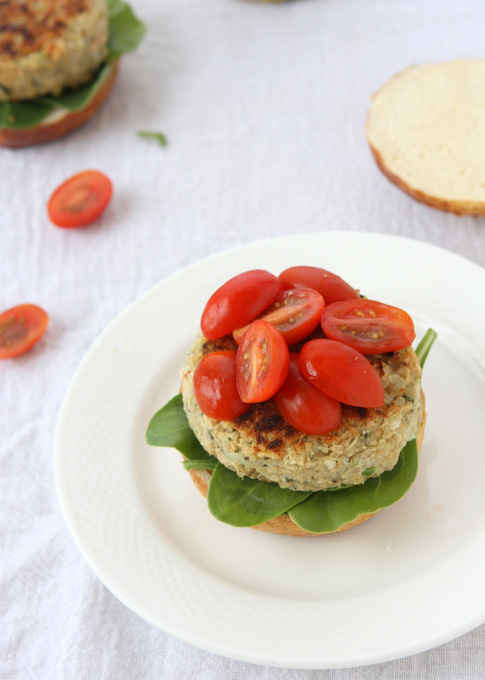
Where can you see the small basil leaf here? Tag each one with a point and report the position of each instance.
(245, 502)
(324, 512)
(169, 427)
(157, 136)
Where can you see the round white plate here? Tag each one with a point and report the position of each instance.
(409, 579)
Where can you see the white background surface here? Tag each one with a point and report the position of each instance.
(264, 109)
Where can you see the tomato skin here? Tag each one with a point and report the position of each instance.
(304, 406)
(20, 328)
(238, 301)
(80, 200)
(330, 286)
(262, 362)
(367, 325)
(341, 371)
(295, 313)
(215, 386)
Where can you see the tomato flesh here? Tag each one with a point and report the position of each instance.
(342, 372)
(369, 326)
(238, 301)
(330, 286)
(295, 313)
(215, 386)
(80, 200)
(262, 362)
(304, 406)
(20, 328)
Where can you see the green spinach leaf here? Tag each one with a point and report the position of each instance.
(422, 350)
(125, 29)
(245, 502)
(325, 512)
(169, 427)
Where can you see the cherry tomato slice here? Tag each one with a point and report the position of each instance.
(215, 386)
(238, 301)
(369, 326)
(304, 406)
(342, 372)
(20, 328)
(262, 362)
(330, 286)
(80, 199)
(295, 313)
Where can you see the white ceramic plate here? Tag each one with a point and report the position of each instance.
(406, 581)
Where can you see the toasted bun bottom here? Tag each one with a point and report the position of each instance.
(61, 124)
(283, 524)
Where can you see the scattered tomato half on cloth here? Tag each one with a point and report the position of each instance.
(20, 328)
(80, 200)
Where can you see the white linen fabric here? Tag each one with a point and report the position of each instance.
(263, 106)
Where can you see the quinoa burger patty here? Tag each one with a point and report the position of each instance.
(49, 45)
(261, 445)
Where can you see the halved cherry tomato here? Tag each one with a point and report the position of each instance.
(262, 362)
(295, 313)
(369, 326)
(215, 386)
(342, 372)
(20, 328)
(304, 406)
(238, 301)
(330, 286)
(80, 199)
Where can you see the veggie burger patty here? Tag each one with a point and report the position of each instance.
(260, 444)
(49, 45)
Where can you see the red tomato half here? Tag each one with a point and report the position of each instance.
(330, 286)
(238, 301)
(369, 326)
(80, 200)
(342, 372)
(20, 328)
(295, 313)
(304, 406)
(215, 386)
(262, 362)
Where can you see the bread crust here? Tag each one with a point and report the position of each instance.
(69, 121)
(460, 208)
(283, 525)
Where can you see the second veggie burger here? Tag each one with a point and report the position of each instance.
(58, 63)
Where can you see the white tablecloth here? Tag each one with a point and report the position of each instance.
(264, 109)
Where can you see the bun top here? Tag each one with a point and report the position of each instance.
(426, 128)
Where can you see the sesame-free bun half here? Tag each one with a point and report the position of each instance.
(283, 524)
(61, 121)
(426, 130)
